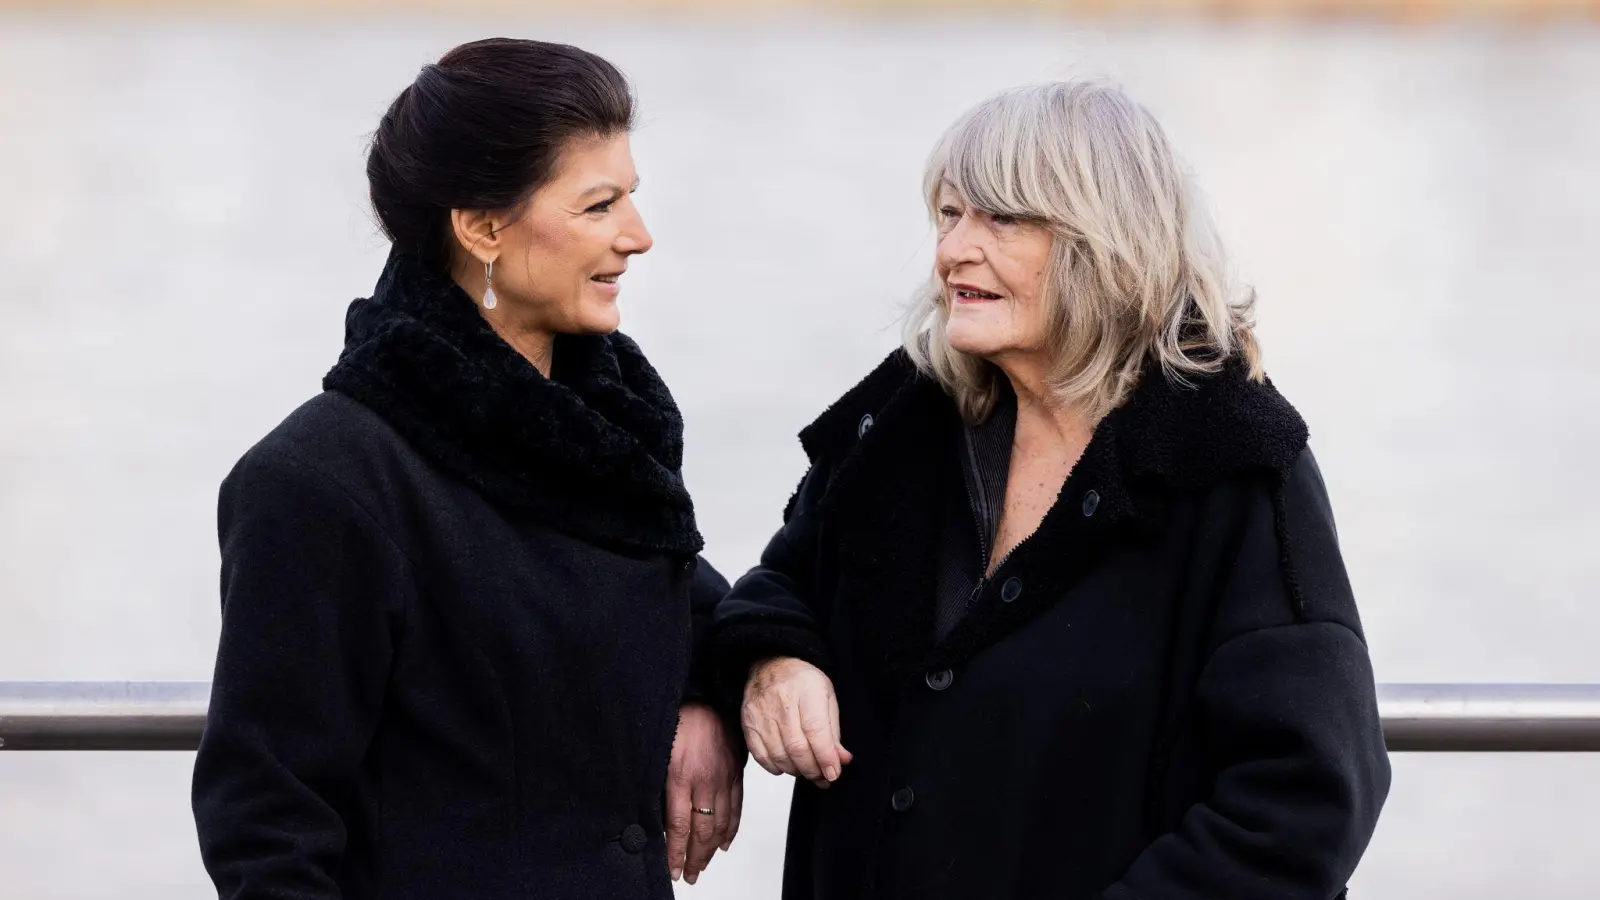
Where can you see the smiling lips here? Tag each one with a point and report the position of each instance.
(971, 293)
(607, 281)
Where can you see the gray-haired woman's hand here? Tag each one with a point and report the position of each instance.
(791, 721)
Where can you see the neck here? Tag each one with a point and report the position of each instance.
(1040, 413)
(535, 344)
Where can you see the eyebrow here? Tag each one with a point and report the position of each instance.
(608, 187)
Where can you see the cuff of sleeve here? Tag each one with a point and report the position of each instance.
(738, 646)
(700, 687)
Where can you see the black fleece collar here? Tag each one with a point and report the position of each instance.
(1172, 435)
(594, 451)
(890, 440)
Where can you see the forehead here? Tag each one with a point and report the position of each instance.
(947, 193)
(586, 159)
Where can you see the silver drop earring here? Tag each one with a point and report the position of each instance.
(489, 300)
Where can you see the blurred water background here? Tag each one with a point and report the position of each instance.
(182, 221)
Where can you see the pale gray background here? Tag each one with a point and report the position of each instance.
(184, 222)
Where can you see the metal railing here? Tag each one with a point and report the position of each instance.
(1493, 718)
(102, 715)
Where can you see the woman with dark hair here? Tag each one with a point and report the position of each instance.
(461, 590)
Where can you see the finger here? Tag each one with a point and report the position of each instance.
(724, 821)
(708, 832)
(703, 836)
(775, 737)
(677, 823)
(735, 810)
(822, 737)
(797, 743)
(758, 751)
(838, 733)
(822, 731)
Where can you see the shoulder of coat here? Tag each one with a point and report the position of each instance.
(850, 417)
(345, 444)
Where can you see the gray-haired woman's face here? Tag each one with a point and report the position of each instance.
(993, 269)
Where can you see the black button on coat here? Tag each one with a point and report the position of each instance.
(456, 623)
(1163, 693)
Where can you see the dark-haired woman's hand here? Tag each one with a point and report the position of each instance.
(791, 721)
(706, 774)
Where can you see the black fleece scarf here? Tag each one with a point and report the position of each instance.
(593, 451)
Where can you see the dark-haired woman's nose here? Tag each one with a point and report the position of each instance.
(635, 237)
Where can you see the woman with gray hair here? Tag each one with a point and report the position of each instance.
(1063, 574)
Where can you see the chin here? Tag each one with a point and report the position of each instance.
(600, 321)
(970, 338)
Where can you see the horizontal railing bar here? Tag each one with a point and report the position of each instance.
(1464, 718)
(1491, 718)
(102, 715)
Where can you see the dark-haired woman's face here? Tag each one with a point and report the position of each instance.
(561, 261)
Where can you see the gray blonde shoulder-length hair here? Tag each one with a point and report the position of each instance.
(1137, 272)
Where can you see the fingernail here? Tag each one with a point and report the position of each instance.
(692, 878)
(831, 772)
(676, 874)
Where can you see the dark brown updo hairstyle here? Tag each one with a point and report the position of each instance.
(483, 129)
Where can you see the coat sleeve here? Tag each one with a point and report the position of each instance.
(312, 596)
(707, 587)
(1289, 712)
(772, 610)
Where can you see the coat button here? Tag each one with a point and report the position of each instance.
(1091, 502)
(633, 839)
(1011, 590)
(940, 680)
(865, 426)
(903, 799)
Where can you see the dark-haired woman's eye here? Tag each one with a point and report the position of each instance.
(600, 208)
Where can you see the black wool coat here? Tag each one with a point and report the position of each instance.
(457, 622)
(1163, 694)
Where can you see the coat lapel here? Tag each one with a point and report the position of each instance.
(883, 510)
(1093, 509)
(895, 435)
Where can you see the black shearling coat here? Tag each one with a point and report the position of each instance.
(1163, 694)
(456, 623)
